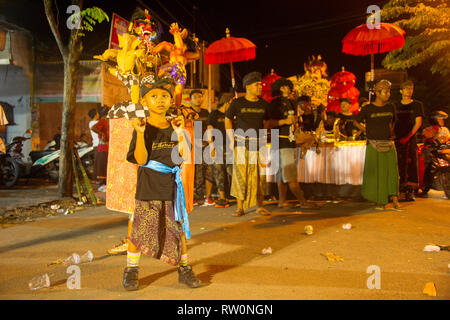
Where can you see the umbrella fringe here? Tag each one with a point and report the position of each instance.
(377, 46)
(227, 57)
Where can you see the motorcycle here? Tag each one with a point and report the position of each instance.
(436, 167)
(44, 164)
(9, 167)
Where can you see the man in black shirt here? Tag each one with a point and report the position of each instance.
(380, 178)
(409, 120)
(249, 177)
(203, 171)
(221, 170)
(282, 114)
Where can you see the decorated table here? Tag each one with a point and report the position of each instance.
(335, 171)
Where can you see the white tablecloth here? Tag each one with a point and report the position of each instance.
(333, 165)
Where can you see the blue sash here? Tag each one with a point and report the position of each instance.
(180, 200)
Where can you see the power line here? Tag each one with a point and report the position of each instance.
(187, 11)
(153, 13)
(305, 28)
(170, 14)
(301, 27)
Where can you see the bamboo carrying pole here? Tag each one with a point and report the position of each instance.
(75, 174)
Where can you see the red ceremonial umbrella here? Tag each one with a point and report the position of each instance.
(266, 81)
(382, 37)
(229, 50)
(343, 86)
(343, 80)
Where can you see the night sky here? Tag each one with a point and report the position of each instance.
(286, 33)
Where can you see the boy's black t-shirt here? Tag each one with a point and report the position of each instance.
(151, 184)
(379, 121)
(249, 114)
(279, 108)
(406, 117)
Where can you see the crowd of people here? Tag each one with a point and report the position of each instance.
(390, 166)
(390, 130)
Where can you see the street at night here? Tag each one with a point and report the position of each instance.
(230, 158)
(226, 254)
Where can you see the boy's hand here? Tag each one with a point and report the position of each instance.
(178, 124)
(138, 124)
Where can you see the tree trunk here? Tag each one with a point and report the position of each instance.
(71, 66)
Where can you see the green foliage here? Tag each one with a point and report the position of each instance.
(427, 26)
(89, 17)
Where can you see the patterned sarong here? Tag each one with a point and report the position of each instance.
(155, 232)
(248, 179)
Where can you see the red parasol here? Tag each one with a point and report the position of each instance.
(266, 81)
(229, 50)
(343, 86)
(343, 80)
(380, 38)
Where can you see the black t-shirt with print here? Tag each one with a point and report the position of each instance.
(151, 184)
(249, 114)
(379, 121)
(406, 117)
(280, 108)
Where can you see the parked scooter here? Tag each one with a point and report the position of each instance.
(437, 167)
(9, 166)
(47, 160)
(44, 163)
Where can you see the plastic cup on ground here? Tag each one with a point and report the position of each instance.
(87, 257)
(347, 226)
(39, 282)
(73, 259)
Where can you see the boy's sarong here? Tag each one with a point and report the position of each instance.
(248, 179)
(155, 232)
(380, 179)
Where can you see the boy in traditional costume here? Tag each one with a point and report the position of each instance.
(160, 221)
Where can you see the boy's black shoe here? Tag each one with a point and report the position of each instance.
(130, 278)
(186, 276)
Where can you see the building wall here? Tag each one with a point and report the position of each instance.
(15, 90)
(50, 118)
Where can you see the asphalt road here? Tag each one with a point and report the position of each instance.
(226, 254)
